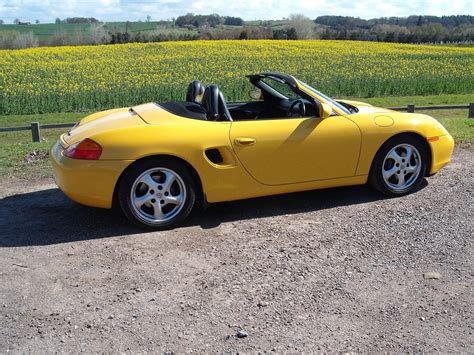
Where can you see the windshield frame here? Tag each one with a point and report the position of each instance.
(335, 105)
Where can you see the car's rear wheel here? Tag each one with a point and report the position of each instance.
(399, 166)
(157, 193)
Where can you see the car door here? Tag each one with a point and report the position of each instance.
(294, 150)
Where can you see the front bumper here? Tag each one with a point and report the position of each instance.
(88, 182)
(441, 152)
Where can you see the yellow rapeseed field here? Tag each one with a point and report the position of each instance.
(61, 79)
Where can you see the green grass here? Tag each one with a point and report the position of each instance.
(457, 123)
(274, 24)
(135, 26)
(14, 146)
(46, 31)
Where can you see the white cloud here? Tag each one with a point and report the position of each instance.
(109, 10)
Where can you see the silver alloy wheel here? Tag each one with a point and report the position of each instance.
(401, 167)
(158, 195)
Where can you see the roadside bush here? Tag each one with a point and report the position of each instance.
(17, 40)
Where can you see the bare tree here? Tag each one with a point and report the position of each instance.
(77, 38)
(305, 28)
(17, 40)
(26, 40)
(16, 21)
(60, 38)
(148, 18)
(7, 38)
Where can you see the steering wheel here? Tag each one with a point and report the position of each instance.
(301, 107)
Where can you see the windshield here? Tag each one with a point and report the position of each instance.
(280, 86)
(328, 99)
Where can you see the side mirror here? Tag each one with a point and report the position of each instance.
(256, 94)
(325, 110)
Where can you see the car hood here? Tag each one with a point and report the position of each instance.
(384, 117)
(364, 107)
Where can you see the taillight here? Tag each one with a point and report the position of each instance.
(86, 149)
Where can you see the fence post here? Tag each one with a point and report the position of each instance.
(411, 108)
(471, 110)
(35, 131)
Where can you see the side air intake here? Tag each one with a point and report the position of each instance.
(214, 156)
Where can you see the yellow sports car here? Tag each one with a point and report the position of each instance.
(158, 160)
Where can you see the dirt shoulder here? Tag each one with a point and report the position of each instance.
(338, 269)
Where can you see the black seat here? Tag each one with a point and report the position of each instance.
(195, 89)
(214, 103)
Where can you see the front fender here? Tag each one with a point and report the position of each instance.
(375, 135)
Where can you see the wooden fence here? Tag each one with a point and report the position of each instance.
(412, 108)
(35, 127)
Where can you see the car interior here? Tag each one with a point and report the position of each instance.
(274, 97)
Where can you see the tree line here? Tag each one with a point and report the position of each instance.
(197, 21)
(412, 29)
(76, 20)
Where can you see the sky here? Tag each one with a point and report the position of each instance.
(133, 10)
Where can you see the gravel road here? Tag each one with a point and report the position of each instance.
(340, 269)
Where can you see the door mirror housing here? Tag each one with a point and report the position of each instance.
(325, 110)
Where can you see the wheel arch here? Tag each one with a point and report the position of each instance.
(201, 196)
(418, 137)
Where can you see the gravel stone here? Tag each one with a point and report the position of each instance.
(334, 270)
(242, 334)
(432, 275)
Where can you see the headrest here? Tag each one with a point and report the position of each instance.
(195, 90)
(210, 102)
(214, 103)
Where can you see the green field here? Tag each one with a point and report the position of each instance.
(87, 78)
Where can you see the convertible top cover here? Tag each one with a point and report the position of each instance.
(184, 109)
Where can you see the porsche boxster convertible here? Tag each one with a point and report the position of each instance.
(159, 160)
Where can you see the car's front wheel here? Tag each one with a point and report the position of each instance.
(399, 166)
(157, 193)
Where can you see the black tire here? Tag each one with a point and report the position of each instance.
(129, 178)
(376, 177)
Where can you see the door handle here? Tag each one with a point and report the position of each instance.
(245, 141)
